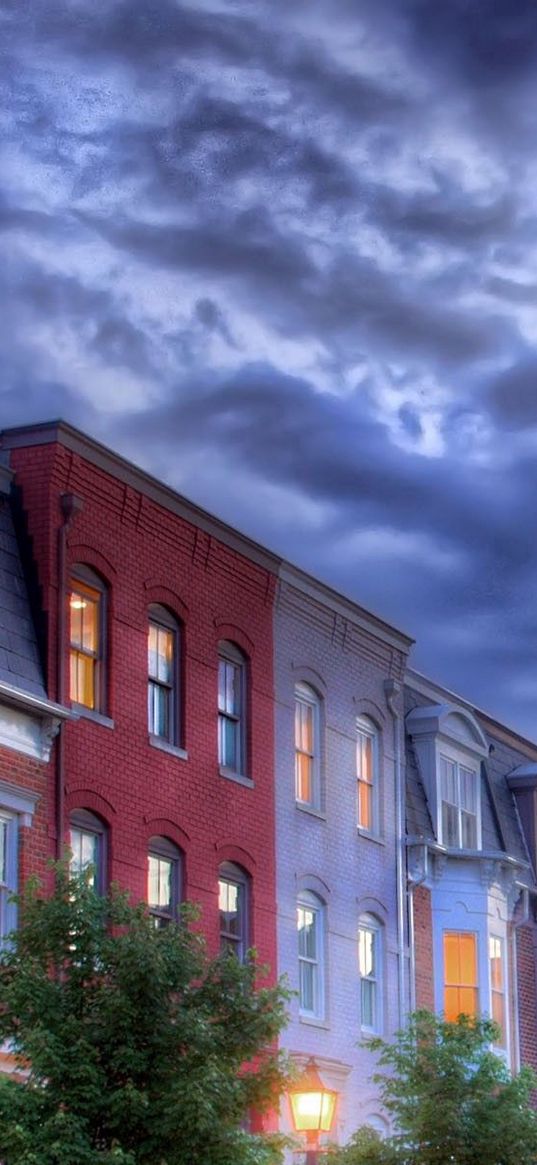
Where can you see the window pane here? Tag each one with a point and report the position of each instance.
(228, 739)
(467, 947)
(468, 1000)
(366, 952)
(496, 967)
(160, 882)
(158, 710)
(451, 959)
(307, 979)
(307, 932)
(448, 773)
(364, 756)
(451, 1004)
(365, 805)
(303, 773)
(468, 780)
(367, 998)
(85, 852)
(90, 625)
(3, 850)
(450, 824)
(469, 830)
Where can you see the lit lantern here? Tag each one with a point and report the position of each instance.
(313, 1107)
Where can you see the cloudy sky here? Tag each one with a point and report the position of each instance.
(284, 256)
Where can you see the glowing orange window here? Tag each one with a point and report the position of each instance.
(460, 974)
(85, 644)
(367, 775)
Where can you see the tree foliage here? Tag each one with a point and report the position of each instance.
(134, 1047)
(452, 1100)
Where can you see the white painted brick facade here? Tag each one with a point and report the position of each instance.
(353, 872)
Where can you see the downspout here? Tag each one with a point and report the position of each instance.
(391, 691)
(70, 505)
(412, 883)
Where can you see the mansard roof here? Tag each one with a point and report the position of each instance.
(20, 666)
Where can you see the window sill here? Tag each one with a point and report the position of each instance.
(370, 836)
(165, 746)
(311, 811)
(239, 778)
(90, 714)
(314, 1021)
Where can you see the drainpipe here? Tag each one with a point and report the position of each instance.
(523, 921)
(70, 505)
(412, 883)
(391, 691)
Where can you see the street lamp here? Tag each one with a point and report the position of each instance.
(312, 1108)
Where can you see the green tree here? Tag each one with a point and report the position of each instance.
(452, 1100)
(135, 1047)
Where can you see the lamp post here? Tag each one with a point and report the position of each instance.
(312, 1108)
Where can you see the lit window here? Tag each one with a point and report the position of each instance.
(86, 639)
(87, 843)
(459, 804)
(162, 691)
(310, 920)
(231, 708)
(163, 880)
(307, 747)
(497, 987)
(233, 905)
(460, 974)
(369, 968)
(367, 775)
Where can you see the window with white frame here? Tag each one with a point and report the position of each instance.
(307, 747)
(459, 793)
(367, 775)
(310, 926)
(163, 675)
(231, 708)
(370, 971)
(234, 907)
(163, 880)
(497, 987)
(461, 979)
(87, 843)
(87, 639)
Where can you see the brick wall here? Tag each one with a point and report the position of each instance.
(423, 948)
(527, 994)
(145, 553)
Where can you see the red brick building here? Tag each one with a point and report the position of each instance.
(168, 767)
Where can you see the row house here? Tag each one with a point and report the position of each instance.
(198, 719)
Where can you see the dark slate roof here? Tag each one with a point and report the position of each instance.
(19, 657)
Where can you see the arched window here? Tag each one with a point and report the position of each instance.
(367, 775)
(311, 925)
(88, 847)
(234, 909)
(370, 956)
(163, 696)
(307, 747)
(164, 878)
(231, 708)
(87, 640)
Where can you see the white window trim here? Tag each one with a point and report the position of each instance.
(17, 807)
(228, 652)
(368, 922)
(308, 900)
(504, 1052)
(463, 758)
(306, 695)
(367, 727)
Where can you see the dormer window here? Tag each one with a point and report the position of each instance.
(450, 748)
(459, 793)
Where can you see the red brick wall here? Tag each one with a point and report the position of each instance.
(423, 934)
(35, 777)
(148, 554)
(527, 994)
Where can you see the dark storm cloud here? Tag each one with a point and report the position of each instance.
(512, 396)
(307, 231)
